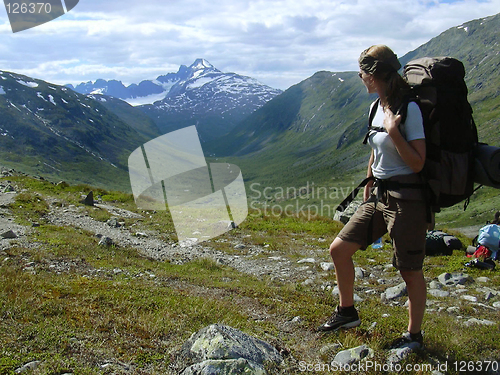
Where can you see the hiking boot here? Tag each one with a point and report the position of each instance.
(337, 321)
(407, 340)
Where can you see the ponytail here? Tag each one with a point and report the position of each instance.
(397, 89)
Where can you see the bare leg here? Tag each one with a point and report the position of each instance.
(341, 252)
(417, 295)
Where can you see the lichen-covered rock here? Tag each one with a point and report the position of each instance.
(353, 355)
(218, 343)
(225, 367)
(454, 278)
(345, 215)
(394, 292)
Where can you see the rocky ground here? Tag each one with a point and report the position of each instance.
(312, 270)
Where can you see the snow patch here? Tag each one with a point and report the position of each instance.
(100, 91)
(2, 92)
(150, 99)
(27, 84)
(51, 98)
(39, 94)
(166, 85)
(197, 73)
(199, 83)
(13, 105)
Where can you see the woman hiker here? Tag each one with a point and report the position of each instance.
(398, 154)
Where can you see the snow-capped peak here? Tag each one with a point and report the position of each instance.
(201, 64)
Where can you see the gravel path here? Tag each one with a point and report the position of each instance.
(150, 245)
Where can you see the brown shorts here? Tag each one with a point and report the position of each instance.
(404, 220)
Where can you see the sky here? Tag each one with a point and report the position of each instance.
(278, 42)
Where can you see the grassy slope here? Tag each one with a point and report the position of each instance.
(277, 153)
(52, 131)
(85, 321)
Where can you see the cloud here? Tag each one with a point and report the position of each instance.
(279, 42)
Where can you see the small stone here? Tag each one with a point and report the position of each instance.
(9, 234)
(435, 285)
(308, 282)
(307, 260)
(89, 199)
(483, 279)
(359, 272)
(113, 222)
(325, 266)
(105, 241)
(28, 366)
(397, 355)
(239, 246)
(488, 296)
(438, 293)
(395, 291)
(469, 298)
(485, 322)
(388, 267)
(9, 189)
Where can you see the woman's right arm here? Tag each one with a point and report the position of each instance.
(369, 185)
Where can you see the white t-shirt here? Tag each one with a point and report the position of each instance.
(387, 162)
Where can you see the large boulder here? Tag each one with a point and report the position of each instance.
(219, 349)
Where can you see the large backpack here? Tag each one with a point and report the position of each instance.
(438, 87)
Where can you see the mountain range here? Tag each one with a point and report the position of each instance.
(198, 95)
(50, 130)
(145, 92)
(313, 131)
(310, 132)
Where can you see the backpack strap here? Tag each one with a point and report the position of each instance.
(382, 187)
(402, 110)
(347, 201)
(373, 112)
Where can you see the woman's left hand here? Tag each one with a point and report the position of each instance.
(391, 121)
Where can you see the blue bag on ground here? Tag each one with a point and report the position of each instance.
(489, 236)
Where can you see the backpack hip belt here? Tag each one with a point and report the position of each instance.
(383, 186)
